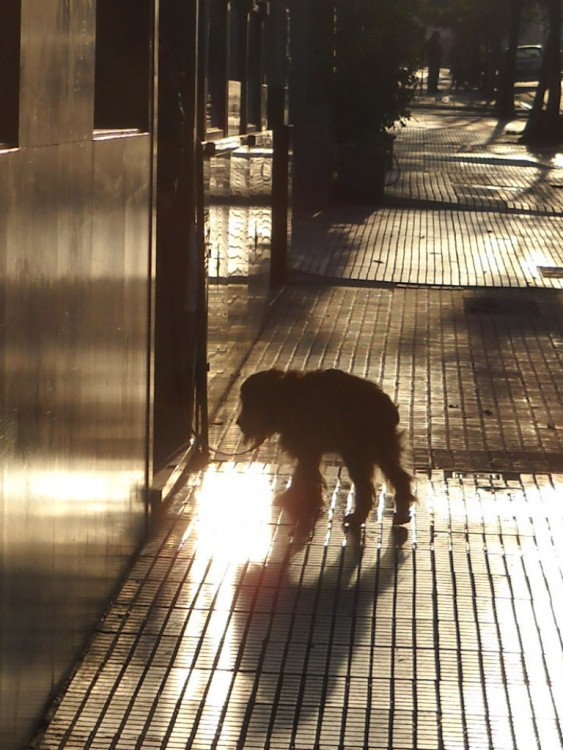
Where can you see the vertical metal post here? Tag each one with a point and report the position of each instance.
(202, 271)
(280, 205)
(151, 266)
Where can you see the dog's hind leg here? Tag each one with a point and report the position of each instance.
(304, 497)
(389, 460)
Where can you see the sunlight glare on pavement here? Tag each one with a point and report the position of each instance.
(534, 260)
(234, 512)
(233, 528)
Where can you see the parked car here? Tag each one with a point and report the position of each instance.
(528, 62)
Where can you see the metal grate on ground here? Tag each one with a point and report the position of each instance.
(230, 632)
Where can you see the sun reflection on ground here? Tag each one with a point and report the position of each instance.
(533, 260)
(233, 527)
(233, 514)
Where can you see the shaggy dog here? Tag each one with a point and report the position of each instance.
(327, 411)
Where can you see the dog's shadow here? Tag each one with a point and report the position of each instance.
(310, 629)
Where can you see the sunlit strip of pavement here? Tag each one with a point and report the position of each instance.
(231, 632)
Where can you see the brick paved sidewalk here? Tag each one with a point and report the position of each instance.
(477, 376)
(421, 246)
(232, 631)
(464, 161)
(466, 206)
(452, 641)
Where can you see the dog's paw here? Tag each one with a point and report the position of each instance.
(281, 498)
(289, 500)
(354, 520)
(401, 516)
(355, 533)
(299, 510)
(403, 505)
(310, 500)
(399, 535)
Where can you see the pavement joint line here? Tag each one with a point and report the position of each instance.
(437, 205)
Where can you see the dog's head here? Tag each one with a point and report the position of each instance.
(260, 399)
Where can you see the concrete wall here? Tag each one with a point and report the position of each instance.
(75, 244)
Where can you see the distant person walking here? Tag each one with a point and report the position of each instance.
(433, 60)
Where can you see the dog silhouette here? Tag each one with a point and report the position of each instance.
(328, 411)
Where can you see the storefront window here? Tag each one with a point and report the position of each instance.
(123, 64)
(10, 24)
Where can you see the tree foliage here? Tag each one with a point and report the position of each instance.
(376, 55)
(490, 32)
(479, 30)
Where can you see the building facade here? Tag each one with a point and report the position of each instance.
(143, 188)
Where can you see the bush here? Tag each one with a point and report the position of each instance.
(378, 46)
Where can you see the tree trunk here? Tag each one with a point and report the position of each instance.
(554, 62)
(539, 96)
(544, 126)
(505, 99)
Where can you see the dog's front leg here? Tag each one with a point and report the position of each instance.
(308, 482)
(304, 498)
(361, 474)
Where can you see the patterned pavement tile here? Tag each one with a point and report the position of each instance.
(252, 637)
